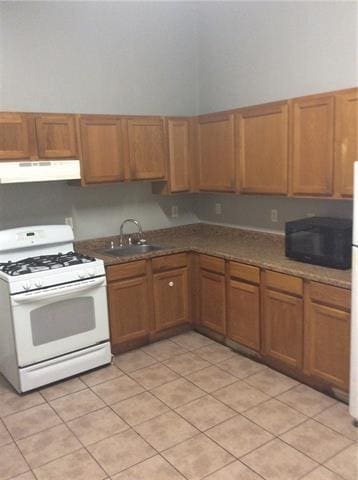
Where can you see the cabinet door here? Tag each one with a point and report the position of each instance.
(327, 336)
(244, 314)
(216, 152)
(56, 136)
(346, 147)
(283, 327)
(179, 154)
(171, 298)
(14, 137)
(212, 301)
(146, 148)
(102, 149)
(312, 145)
(263, 148)
(128, 309)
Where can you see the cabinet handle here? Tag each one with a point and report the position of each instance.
(171, 284)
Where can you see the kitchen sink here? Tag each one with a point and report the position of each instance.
(130, 250)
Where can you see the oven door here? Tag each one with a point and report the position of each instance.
(58, 320)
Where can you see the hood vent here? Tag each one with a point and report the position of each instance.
(39, 171)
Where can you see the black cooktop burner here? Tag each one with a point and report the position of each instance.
(44, 262)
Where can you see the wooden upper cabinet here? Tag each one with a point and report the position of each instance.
(146, 148)
(312, 137)
(216, 153)
(346, 144)
(56, 136)
(262, 148)
(180, 154)
(102, 158)
(14, 136)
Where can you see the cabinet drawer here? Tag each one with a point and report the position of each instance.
(126, 270)
(213, 264)
(329, 295)
(169, 262)
(285, 283)
(245, 272)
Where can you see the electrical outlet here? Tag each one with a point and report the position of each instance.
(310, 214)
(218, 208)
(175, 211)
(69, 222)
(274, 215)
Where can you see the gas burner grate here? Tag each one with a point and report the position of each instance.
(44, 262)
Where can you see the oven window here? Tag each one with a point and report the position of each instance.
(62, 320)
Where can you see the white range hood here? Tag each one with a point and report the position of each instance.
(39, 171)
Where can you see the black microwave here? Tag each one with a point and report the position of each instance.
(320, 240)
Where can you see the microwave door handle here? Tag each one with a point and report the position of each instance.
(55, 293)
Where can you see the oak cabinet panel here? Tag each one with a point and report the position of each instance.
(327, 335)
(244, 314)
(14, 137)
(346, 144)
(212, 301)
(216, 153)
(312, 136)
(102, 157)
(180, 157)
(146, 148)
(129, 309)
(171, 298)
(262, 136)
(56, 136)
(283, 327)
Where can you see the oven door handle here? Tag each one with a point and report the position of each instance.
(63, 291)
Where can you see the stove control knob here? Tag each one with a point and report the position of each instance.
(82, 274)
(26, 286)
(91, 272)
(39, 284)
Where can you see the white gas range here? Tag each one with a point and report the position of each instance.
(53, 307)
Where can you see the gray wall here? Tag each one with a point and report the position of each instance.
(99, 57)
(97, 211)
(253, 52)
(255, 211)
(165, 58)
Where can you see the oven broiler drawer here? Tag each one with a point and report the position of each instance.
(71, 364)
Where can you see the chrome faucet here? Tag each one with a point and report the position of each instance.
(140, 232)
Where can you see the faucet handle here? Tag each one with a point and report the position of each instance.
(142, 241)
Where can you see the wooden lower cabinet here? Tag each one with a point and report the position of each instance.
(243, 324)
(299, 327)
(327, 335)
(129, 304)
(212, 301)
(282, 321)
(171, 298)
(129, 310)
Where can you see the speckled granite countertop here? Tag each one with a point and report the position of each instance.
(261, 249)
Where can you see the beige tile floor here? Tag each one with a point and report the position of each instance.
(184, 408)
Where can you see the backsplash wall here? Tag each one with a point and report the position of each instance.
(254, 212)
(96, 211)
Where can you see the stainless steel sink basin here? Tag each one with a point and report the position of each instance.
(130, 250)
